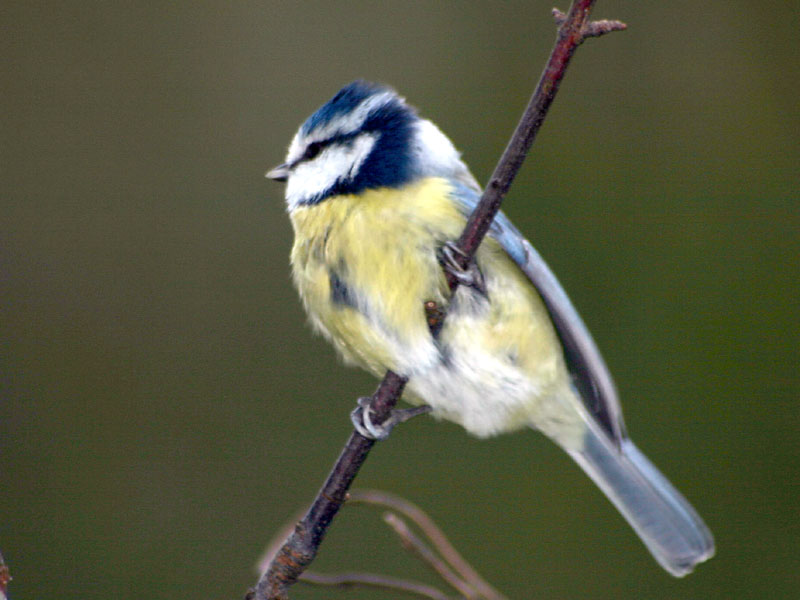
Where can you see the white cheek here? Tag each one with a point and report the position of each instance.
(359, 151)
(336, 163)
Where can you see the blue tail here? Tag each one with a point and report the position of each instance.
(667, 524)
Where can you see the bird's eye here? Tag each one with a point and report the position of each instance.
(312, 150)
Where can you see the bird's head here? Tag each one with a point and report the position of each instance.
(365, 137)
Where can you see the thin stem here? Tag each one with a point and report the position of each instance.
(412, 543)
(372, 580)
(432, 531)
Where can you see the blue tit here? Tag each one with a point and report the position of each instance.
(374, 192)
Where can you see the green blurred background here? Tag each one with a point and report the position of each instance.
(165, 408)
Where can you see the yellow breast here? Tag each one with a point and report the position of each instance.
(365, 265)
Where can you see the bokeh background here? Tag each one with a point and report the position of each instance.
(165, 408)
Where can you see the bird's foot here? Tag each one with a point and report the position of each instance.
(470, 277)
(362, 421)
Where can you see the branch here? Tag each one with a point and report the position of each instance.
(573, 29)
(301, 547)
(5, 577)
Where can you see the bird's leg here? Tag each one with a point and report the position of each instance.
(362, 421)
(470, 277)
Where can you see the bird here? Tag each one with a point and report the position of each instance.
(375, 194)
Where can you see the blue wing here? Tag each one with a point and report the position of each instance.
(586, 365)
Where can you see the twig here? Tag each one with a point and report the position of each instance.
(412, 543)
(433, 533)
(376, 581)
(592, 28)
(301, 547)
(5, 577)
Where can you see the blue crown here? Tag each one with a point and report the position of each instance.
(345, 100)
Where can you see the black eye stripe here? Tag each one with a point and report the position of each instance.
(314, 148)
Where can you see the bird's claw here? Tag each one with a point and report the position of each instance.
(362, 420)
(471, 276)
